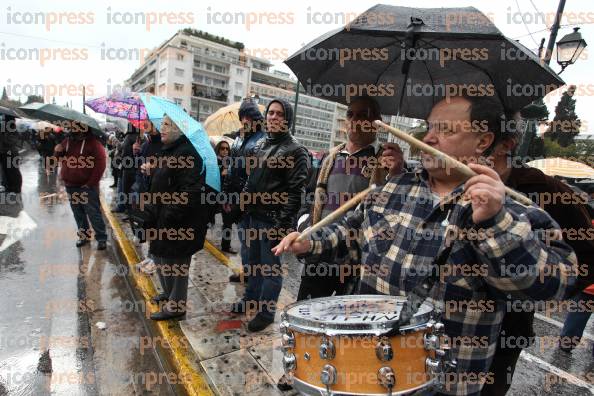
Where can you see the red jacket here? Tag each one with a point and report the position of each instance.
(83, 162)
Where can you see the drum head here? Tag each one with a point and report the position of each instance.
(361, 314)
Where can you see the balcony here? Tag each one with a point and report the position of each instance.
(208, 93)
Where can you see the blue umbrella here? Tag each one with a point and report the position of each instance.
(157, 107)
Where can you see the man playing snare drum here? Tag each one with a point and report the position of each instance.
(479, 236)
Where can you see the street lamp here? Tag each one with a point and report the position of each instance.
(569, 48)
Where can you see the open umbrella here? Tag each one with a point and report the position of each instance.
(562, 167)
(157, 108)
(225, 120)
(410, 58)
(71, 119)
(128, 106)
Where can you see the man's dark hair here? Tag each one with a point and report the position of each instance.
(374, 107)
(489, 110)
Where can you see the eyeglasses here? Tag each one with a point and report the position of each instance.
(223, 148)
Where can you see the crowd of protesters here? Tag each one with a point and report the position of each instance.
(264, 162)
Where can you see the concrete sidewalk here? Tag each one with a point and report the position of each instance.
(229, 358)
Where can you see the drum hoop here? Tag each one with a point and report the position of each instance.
(309, 389)
(418, 322)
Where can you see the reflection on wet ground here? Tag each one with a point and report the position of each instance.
(53, 294)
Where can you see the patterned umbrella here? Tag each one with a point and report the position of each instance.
(128, 106)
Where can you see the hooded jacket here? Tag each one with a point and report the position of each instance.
(241, 147)
(83, 162)
(277, 180)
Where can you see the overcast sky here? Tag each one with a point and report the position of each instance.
(90, 30)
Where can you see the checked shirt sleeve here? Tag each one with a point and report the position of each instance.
(527, 256)
(338, 242)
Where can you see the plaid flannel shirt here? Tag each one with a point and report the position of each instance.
(397, 233)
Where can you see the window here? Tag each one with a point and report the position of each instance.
(179, 72)
(239, 71)
(162, 72)
(178, 101)
(237, 98)
(219, 69)
(178, 87)
(180, 57)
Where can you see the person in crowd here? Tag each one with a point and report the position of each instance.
(175, 219)
(222, 150)
(115, 156)
(149, 151)
(245, 140)
(128, 169)
(83, 161)
(275, 186)
(441, 203)
(45, 143)
(10, 141)
(345, 170)
(545, 191)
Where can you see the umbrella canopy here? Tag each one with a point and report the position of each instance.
(63, 117)
(225, 120)
(410, 58)
(157, 108)
(9, 112)
(562, 167)
(128, 106)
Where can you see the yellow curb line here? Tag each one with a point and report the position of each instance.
(181, 353)
(220, 256)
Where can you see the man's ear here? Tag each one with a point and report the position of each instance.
(486, 139)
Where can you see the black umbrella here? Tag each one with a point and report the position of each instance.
(70, 119)
(9, 112)
(410, 58)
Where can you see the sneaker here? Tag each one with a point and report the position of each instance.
(235, 278)
(259, 323)
(81, 242)
(284, 383)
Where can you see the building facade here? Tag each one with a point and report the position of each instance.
(202, 75)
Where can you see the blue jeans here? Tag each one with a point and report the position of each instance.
(576, 321)
(242, 227)
(265, 280)
(86, 208)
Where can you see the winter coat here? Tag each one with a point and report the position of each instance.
(175, 209)
(82, 162)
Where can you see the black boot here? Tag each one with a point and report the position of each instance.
(259, 323)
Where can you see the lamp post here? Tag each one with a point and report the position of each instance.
(569, 48)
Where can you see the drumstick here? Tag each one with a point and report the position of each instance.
(337, 214)
(451, 162)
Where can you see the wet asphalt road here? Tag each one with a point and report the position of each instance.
(53, 294)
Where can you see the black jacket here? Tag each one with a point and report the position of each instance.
(276, 184)
(241, 148)
(179, 206)
(572, 216)
(127, 152)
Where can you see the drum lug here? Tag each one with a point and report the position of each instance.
(386, 377)
(327, 350)
(431, 342)
(288, 340)
(384, 351)
(328, 375)
(284, 326)
(289, 363)
(433, 366)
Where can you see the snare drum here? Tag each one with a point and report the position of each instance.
(349, 345)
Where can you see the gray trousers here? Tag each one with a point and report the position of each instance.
(173, 274)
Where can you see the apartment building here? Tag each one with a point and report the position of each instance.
(203, 73)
